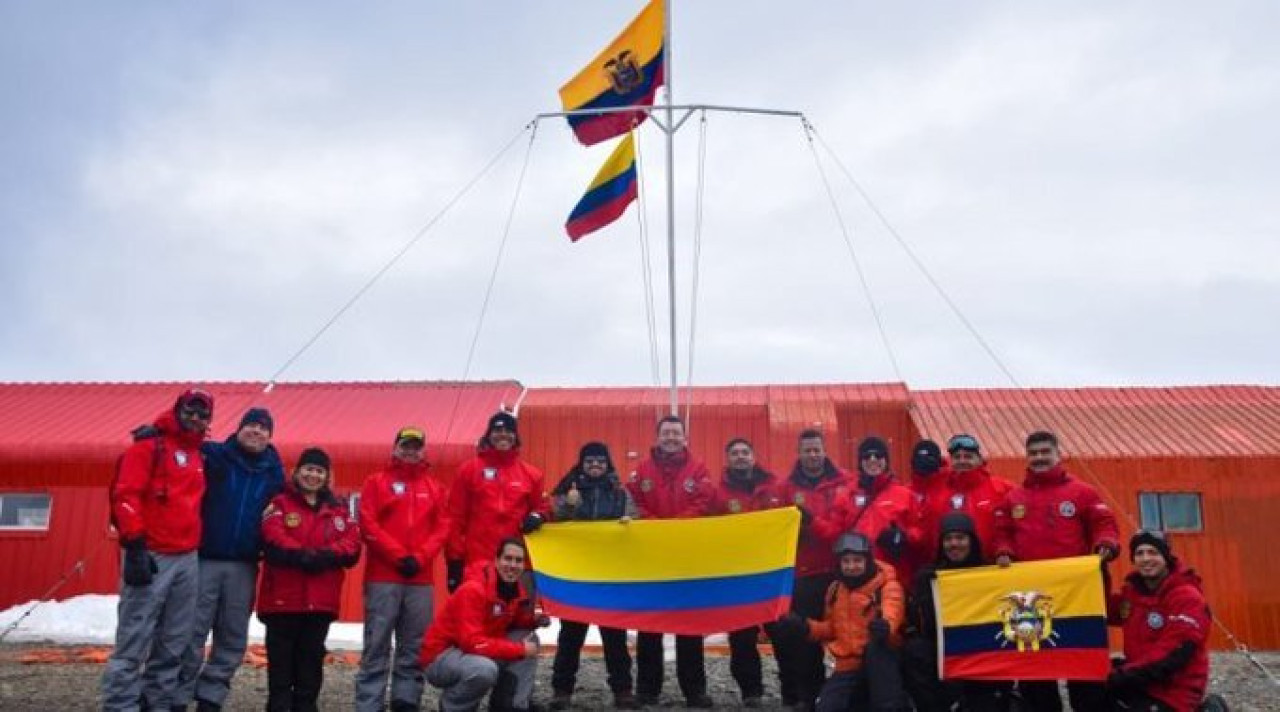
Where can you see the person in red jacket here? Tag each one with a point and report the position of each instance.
(745, 487)
(308, 538)
(968, 487)
(671, 484)
(404, 521)
(155, 506)
(485, 629)
(1166, 620)
(929, 472)
(879, 507)
(815, 486)
(1053, 516)
(496, 495)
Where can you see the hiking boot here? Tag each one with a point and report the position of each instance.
(402, 706)
(625, 701)
(702, 702)
(562, 700)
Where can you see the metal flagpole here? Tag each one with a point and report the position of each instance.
(670, 131)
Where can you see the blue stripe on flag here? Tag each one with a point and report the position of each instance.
(1081, 632)
(669, 595)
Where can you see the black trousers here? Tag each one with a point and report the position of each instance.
(1042, 695)
(617, 661)
(744, 661)
(690, 671)
(295, 659)
(800, 668)
(845, 691)
(930, 694)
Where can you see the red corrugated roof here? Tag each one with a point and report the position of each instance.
(1195, 421)
(718, 395)
(67, 420)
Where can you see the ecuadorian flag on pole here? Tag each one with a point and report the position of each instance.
(687, 576)
(627, 73)
(609, 194)
(1042, 620)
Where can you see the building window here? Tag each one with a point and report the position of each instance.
(1171, 511)
(24, 512)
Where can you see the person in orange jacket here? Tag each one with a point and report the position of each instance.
(404, 520)
(862, 628)
(496, 495)
(486, 629)
(308, 538)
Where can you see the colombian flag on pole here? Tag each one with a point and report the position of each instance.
(1042, 620)
(627, 73)
(609, 194)
(687, 576)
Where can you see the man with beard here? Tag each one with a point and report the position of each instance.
(958, 547)
(242, 475)
(155, 507)
(1053, 516)
(671, 484)
(592, 491)
(1162, 609)
(496, 495)
(483, 640)
(745, 488)
(861, 626)
(404, 523)
(815, 485)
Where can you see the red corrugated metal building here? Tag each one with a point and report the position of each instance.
(1202, 459)
(62, 440)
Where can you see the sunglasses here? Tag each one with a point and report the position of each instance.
(962, 442)
(874, 456)
(595, 461)
(196, 411)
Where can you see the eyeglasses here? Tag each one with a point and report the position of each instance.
(195, 411)
(595, 461)
(874, 456)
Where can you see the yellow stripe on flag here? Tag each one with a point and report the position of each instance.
(617, 164)
(643, 38)
(668, 549)
(974, 596)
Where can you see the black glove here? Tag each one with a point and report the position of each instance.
(309, 561)
(408, 566)
(139, 567)
(542, 620)
(879, 630)
(791, 626)
(455, 569)
(891, 541)
(1121, 680)
(806, 517)
(326, 559)
(532, 523)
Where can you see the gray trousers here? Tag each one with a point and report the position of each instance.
(405, 611)
(465, 679)
(153, 627)
(223, 606)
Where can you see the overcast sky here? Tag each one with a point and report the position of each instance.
(188, 191)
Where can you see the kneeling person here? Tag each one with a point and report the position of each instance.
(485, 630)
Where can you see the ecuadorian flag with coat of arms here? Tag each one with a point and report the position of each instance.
(1041, 620)
(686, 576)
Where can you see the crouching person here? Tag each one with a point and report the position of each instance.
(1166, 628)
(861, 627)
(483, 641)
(309, 538)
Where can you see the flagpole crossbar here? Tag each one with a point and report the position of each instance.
(651, 110)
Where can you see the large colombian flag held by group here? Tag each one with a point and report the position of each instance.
(626, 73)
(687, 576)
(1043, 620)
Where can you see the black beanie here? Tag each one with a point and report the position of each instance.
(1154, 538)
(261, 416)
(953, 522)
(595, 449)
(926, 458)
(314, 456)
(873, 444)
(502, 419)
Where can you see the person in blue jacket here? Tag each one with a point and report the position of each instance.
(242, 475)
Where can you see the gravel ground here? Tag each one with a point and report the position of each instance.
(75, 686)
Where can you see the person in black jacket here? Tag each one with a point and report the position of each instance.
(958, 548)
(242, 475)
(592, 491)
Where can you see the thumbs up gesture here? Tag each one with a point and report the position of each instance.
(573, 498)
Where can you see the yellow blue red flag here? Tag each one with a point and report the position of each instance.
(1041, 620)
(609, 194)
(626, 73)
(687, 576)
